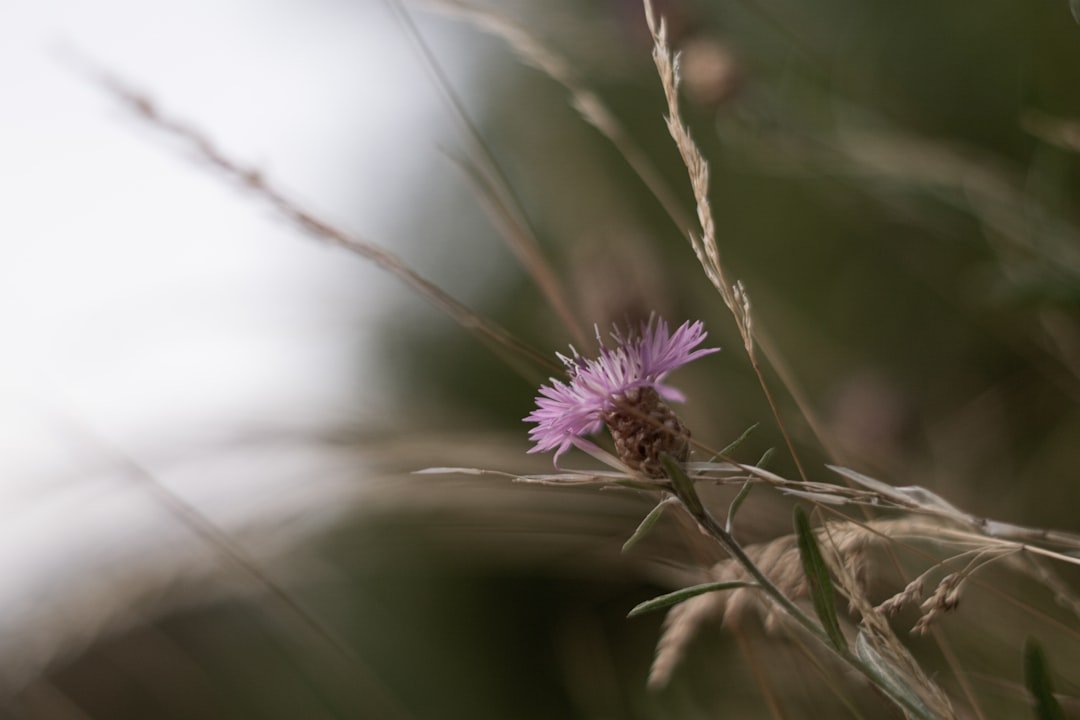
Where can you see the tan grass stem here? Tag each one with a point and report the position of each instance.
(502, 204)
(256, 182)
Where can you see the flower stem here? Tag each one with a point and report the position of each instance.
(684, 489)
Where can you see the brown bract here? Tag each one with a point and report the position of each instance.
(645, 428)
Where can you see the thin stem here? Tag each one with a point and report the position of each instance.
(760, 677)
(776, 413)
(253, 180)
(683, 488)
(718, 533)
(507, 210)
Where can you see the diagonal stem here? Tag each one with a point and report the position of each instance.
(683, 489)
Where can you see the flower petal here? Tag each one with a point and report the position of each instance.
(567, 411)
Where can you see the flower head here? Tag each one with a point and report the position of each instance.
(621, 388)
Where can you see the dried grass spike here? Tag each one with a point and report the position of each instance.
(946, 597)
(680, 627)
(911, 594)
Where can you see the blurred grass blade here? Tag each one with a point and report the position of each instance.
(647, 524)
(891, 679)
(674, 598)
(818, 580)
(1074, 5)
(1037, 679)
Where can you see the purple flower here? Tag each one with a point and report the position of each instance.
(567, 411)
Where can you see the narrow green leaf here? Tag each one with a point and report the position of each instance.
(647, 524)
(818, 580)
(745, 490)
(1037, 679)
(1074, 5)
(683, 485)
(726, 452)
(737, 502)
(674, 598)
(766, 458)
(889, 677)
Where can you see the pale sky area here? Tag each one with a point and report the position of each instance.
(147, 305)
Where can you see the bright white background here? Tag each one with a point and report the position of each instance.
(146, 305)
(134, 281)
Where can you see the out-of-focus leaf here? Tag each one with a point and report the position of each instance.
(892, 678)
(1037, 679)
(647, 524)
(817, 578)
(674, 598)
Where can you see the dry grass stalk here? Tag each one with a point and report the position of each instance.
(1036, 567)
(254, 180)
(845, 546)
(704, 245)
(232, 557)
(681, 626)
(493, 187)
(1062, 133)
(534, 53)
(946, 597)
(875, 632)
(912, 593)
(779, 559)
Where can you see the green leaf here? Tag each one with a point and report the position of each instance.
(1037, 679)
(674, 598)
(1074, 5)
(683, 485)
(891, 679)
(817, 577)
(726, 452)
(737, 502)
(766, 458)
(647, 524)
(745, 490)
